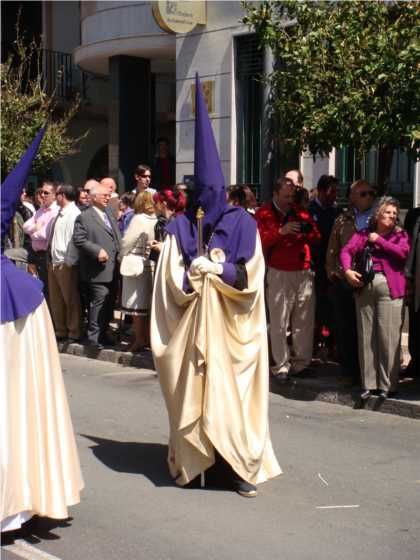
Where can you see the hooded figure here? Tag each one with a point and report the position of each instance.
(39, 465)
(209, 334)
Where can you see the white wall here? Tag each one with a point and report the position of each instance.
(208, 51)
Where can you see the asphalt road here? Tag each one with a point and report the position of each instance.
(331, 456)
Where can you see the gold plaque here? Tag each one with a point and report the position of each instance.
(179, 16)
(208, 93)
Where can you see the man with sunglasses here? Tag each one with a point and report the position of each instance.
(37, 227)
(354, 218)
(143, 178)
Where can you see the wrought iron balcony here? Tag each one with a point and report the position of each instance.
(61, 77)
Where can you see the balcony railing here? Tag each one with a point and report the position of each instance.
(61, 77)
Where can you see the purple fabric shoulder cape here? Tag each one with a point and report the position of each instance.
(235, 233)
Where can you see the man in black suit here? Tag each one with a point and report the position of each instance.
(412, 272)
(96, 235)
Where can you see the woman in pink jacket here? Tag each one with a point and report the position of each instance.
(379, 304)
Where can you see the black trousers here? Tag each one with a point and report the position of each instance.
(101, 297)
(346, 329)
(39, 259)
(414, 341)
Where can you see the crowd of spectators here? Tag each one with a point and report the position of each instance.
(318, 302)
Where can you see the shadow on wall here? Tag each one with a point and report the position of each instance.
(98, 166)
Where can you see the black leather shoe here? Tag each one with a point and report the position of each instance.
(365, 395)
(245, 489)
(383, 394)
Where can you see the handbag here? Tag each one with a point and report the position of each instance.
(132, 265)
(363, 264)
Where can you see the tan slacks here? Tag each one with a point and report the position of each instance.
(379, 324)
(291, 304)
(64, 300)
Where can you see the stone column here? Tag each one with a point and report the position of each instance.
(129, 117)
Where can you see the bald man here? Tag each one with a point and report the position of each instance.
(97, 237)
(296, 177)
(114, 201)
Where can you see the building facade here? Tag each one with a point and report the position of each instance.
(134, 64)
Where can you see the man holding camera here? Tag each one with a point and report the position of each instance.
(287, 231)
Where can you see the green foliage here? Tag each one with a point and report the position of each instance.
(26, 107)
(347, 72)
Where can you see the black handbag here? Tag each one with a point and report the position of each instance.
(363, 264)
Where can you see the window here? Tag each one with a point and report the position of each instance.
(349, 168)
(249, 109)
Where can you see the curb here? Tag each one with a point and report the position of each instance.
(300, 389)
(142, 360)
(296, 389)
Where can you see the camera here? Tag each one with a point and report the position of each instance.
(305, 227)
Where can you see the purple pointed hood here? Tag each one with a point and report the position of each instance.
(21, 293)
(226, 227)
(209, 183)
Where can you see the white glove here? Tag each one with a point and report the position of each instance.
(203, 265)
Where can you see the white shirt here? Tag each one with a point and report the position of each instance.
(62, 249)
(151, 190)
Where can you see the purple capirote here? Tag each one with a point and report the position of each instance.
(226, 227)
(21, 293)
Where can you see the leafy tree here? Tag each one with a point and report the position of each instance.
(346, 74)
(26, 107)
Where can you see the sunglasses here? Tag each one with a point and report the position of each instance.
(363, 194)
(45, 193)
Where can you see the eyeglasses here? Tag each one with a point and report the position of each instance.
(363, 194)
(45, 193)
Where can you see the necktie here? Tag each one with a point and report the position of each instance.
(107, 222)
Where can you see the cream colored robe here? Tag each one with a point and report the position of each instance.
(210, 351)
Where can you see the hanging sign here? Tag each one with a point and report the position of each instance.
(178, 16)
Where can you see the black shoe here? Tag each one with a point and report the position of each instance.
(92, 345)
(280, 378)
(72, 340)
(106, 341)
(365, 395)
(61, 338)
(383, 394)
(245, 489)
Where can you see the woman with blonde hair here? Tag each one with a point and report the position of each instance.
(137, 290)
(380, 301)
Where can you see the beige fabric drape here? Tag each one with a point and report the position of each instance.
(39, 464)
(210, 351)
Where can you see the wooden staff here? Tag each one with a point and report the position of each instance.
(200, 253)
(200, 242)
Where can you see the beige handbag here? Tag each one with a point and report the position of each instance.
(131, 265)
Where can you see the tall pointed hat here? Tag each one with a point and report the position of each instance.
(12, 186)
(20, 292)
(209, 183)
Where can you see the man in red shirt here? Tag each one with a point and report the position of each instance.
(287, 231)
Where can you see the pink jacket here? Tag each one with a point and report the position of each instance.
(392, 250)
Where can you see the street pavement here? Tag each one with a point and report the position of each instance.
(350, 488)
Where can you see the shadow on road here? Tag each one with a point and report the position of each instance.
(148, 459)
(35, 530)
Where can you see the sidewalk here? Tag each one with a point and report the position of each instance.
(323, 382)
